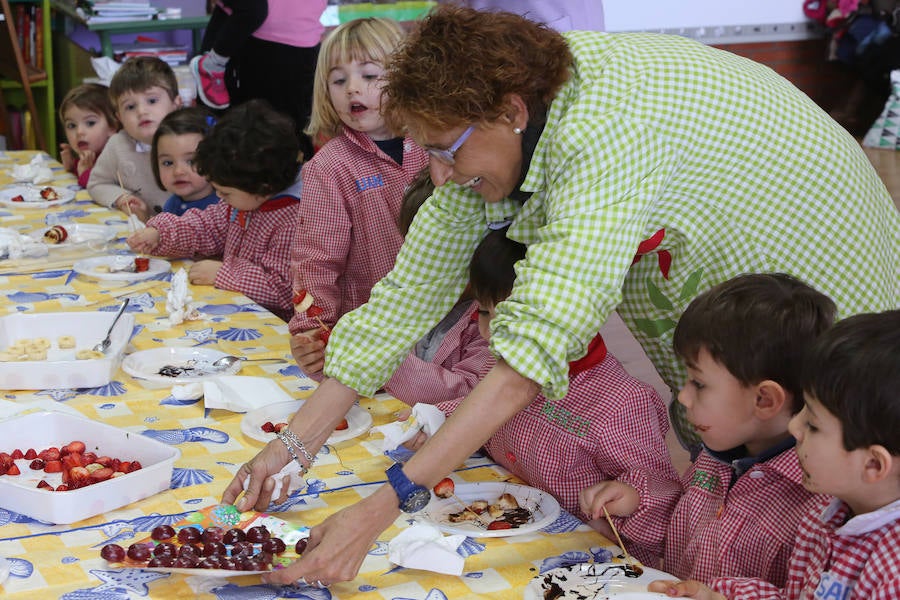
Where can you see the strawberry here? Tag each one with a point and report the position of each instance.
(124, 466)
(499, 525)
(76, 446)
(135, 466)
(3, 468)
(62, 488)
(51, 453)
(13, 470)
(314, 311)
(42, 484)
(17, 454)
(444, 488)
(342, 425)
(30, 454)
(103, 460)
(324, 334)
(36, 465)
(5, 459)
(73, 459)
(53, 466)
(279, 427)
(78, 474)
(299, 295)
(88, 457)
(268, 427)
(102, 474)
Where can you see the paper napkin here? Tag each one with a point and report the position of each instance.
(424, 547)
(36, 171)
(179, 301)
(424, 417)
(239, 393)
(289, 476)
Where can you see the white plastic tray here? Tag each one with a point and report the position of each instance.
(88, 328)
(45, 429)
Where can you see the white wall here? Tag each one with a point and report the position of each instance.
(640, 15)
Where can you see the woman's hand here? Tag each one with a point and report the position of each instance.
(338, 545)
(684, 589)
(204, 272)
(618, 498)
(308, 350)
(260, 469)
(144, 241)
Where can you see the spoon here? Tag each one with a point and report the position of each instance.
(227, 361)
(104, 345)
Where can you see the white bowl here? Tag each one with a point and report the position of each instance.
(144, 366)
(44, 429)
(62, 370)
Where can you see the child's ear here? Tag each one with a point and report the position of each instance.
(771, 398)
(879, 463)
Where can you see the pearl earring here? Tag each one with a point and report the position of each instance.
(517, 131)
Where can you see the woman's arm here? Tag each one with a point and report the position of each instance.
(339, 545)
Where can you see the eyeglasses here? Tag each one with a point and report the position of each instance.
(446, 156)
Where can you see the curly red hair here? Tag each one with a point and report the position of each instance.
(458, 66)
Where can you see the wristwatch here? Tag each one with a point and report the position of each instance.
(413, 497)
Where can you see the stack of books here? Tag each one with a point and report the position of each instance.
(108, 11)
(173, 55)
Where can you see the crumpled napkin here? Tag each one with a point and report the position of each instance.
(14, 245)
(424, 547)
(424, 417)
(179, 301)
(289, 476)
(105, 67)
(239, 393)
(35, 172)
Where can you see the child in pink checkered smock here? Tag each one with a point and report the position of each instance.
(352, 187)
(743, 342)
(609, 426)
(245, 241)
(848, 445)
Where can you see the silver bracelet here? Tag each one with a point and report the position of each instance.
(284, 440)
(290, 435)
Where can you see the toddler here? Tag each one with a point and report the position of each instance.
(172, 157)
(448, 362)
(353, 186)
(250, 158)
(144, 90)
(89, 120)
(609, 426)
(742, 343)
(848, 444)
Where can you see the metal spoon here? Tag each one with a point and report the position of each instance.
(227, 361)
(104, 345)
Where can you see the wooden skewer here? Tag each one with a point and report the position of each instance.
(469, 510)
(618, 539)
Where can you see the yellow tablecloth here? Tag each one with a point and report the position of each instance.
(63, 560)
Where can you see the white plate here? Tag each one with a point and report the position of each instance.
(598, 580)
(544, 508)
(88, 268)
(144, 365)
(359, 421)
(80, 234)
(32, 195)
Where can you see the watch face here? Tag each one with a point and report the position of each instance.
(417, 500)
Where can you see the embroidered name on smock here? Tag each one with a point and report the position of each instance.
(367, 183)
(832, 588)
(705, 480)
(574, 424)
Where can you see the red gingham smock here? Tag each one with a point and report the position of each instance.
(746, 531)
(608, 426)
(856, 560)
(352, 192)
(462, 359)
(255, 246)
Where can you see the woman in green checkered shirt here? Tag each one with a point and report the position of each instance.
(639, 169)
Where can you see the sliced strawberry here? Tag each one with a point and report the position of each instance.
(444, 488)
(30, 454)
(268, 427)
(42, 484)
(124, 466)
(5, 468)
(62, 488)
(76, 446)
(53, 466)
(13, 470)
(88, 457)
(102, 474)
(73, 459)
(103, 460)
(500, 525)
(78, 474)
(17, 454)
(135, 466)
(279, 427)
(299, 295)
(342, 425)
(115, 464)
(51, 453)
(314, 311)
(36, 465)
(5, 459)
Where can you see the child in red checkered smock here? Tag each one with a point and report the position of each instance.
(742, 342)
(609, 425)
(352, 187)
(848, 444)
(246, 240)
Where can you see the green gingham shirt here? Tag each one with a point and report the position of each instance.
(730, 167)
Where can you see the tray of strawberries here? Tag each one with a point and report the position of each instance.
(217, 541)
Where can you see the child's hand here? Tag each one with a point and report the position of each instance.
(204, 272)
(684, 589)
(67, 157)
(144, 241)
(86, 161)
(132, 205)
(619, 498)
(308, 350)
